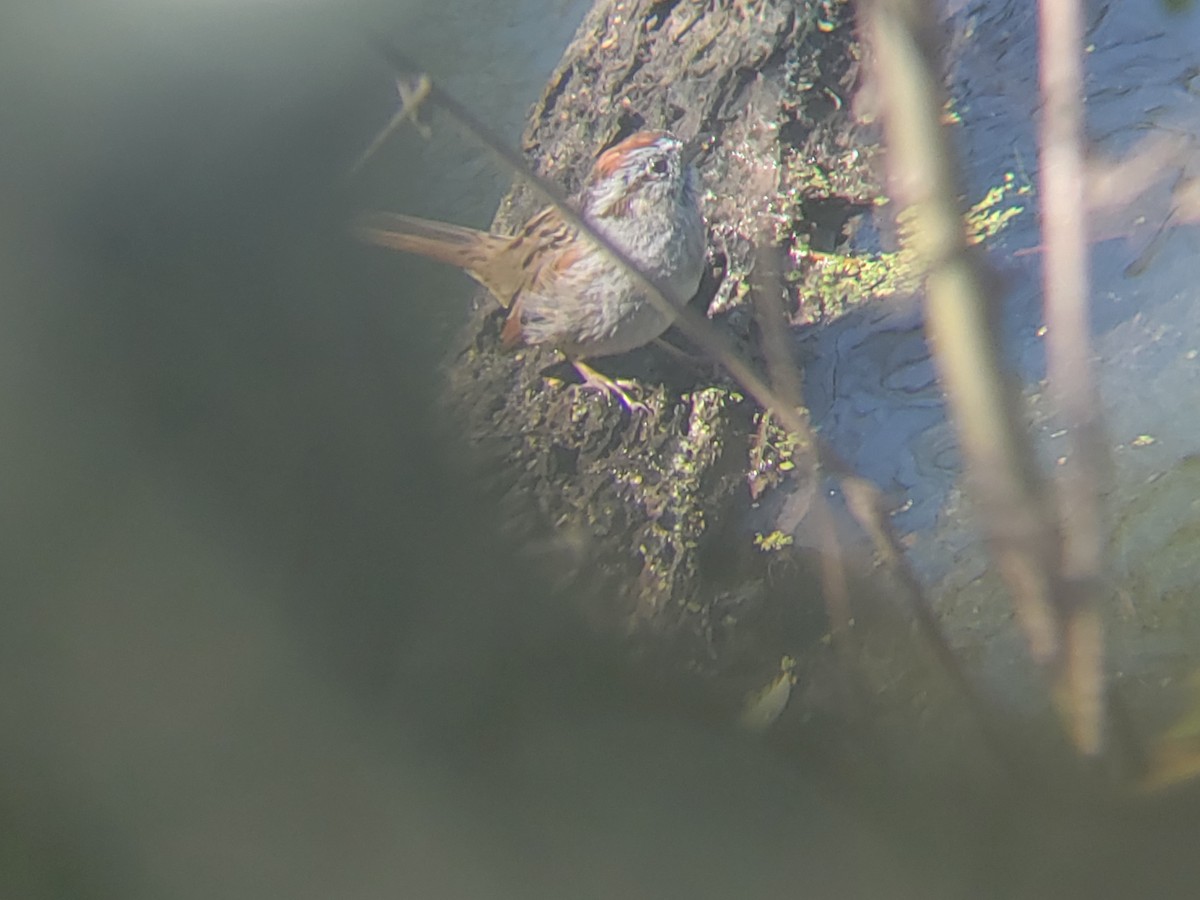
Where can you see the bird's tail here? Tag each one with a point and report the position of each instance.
(476, 252)
(446, 243)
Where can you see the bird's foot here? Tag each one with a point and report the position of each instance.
(593, 380)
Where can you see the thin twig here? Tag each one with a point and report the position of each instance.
(865, 503)
(697, 328)
(769, 295)
(412, 94)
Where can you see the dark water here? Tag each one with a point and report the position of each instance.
(871, 384)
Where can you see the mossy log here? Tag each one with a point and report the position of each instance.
(644, 518)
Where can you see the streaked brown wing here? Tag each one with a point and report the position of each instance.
(544, 250)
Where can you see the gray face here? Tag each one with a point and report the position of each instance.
(649, 178)
(659, 170)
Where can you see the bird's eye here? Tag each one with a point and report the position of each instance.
(659, 166)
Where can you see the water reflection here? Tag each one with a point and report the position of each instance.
(870, 382)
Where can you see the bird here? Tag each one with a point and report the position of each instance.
(560, 288)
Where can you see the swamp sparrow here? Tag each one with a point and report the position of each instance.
(559, 287)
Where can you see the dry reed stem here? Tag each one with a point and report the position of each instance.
(1017, 514)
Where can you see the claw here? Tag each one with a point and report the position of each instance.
(593, 380)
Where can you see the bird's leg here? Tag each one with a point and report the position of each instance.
(595, 381)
